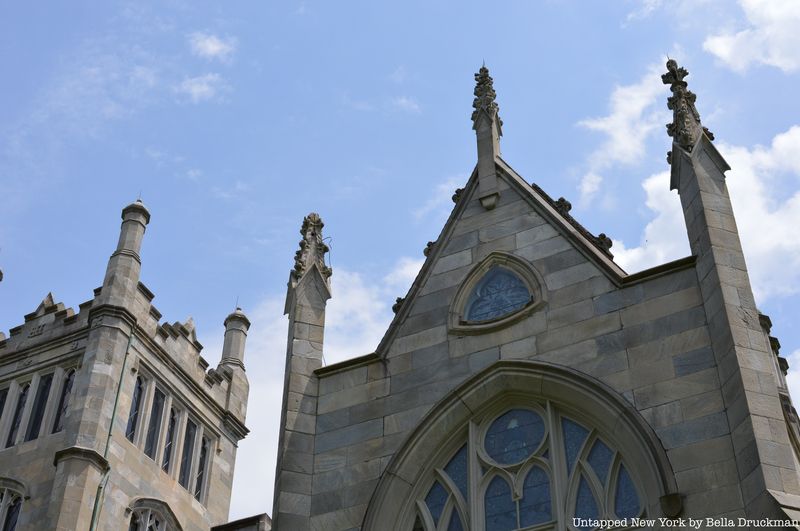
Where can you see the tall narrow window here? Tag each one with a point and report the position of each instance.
(187, 453)
(201, 468)
(154, 426)
(15, 422)
(169, 443)
(3, 396)
(12, 514)
(136, 402)
(39, 405)
(63, 402)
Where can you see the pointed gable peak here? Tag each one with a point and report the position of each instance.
(685, 128)
(484, 102)
(46, 305)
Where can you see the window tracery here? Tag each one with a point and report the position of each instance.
(10, 507)
(531, 467)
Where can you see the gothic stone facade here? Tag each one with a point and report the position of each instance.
(527, 379)
(111, 420)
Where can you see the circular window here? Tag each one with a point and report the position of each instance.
(514, 436)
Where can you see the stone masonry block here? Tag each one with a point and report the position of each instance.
(348, 436)
(676, 388)
(354, 395)
(453, 261)
(695, 430)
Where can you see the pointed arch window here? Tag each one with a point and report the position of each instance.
(149, 514)
(530, 467)
(499, 291)
(10, 507)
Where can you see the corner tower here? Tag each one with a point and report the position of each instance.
(306, 298)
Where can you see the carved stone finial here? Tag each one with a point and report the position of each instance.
(312, 248)
(457, 194)
(563, 206)
(604, 241)
(428, 248)
(685, 127)
(398, 303)
(485, 96)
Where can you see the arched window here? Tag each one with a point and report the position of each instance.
(498, 292)
(525, 445)
(148, 514)
(531, 465)
(10, 507)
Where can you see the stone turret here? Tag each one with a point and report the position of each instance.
(307, 295)
(488, 129)
(236, 326)
(124, 266)
(764, 458)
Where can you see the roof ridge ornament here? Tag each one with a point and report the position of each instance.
(485, 97)
(685, 127)
(312, 249)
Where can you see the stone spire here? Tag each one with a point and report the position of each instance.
(312, 249)
(485, 99)
(685, 128)
(488, 130)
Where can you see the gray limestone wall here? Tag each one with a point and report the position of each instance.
(648, 339)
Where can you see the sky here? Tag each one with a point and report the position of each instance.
(233, 120)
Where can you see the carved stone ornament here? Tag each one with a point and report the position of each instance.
(397, 304)
(604, 241)
(563, 206)
(685, 126)
(485, 96)
(428, 248)
(312, 248)
(457, 194)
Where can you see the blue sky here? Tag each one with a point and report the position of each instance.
(234, 120)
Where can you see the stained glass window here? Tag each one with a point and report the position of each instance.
(500, 510)
(63, 402)
(535, 506)
(39, 404)
(499, 293)
(528, 477)
(626, 502)
(514, 436)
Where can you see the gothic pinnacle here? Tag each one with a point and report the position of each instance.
(485, 96)
(685, 127)
(312, 248)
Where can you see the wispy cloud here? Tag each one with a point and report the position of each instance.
(406, 104)
(440, 199)
(357, 317)
(763, 185)
(212, 47)
(202, 88)
(399, 74)
(632, 117)
(771, 37)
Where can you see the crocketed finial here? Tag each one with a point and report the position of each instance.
(485, 96)
(312, 248)
(685, 126)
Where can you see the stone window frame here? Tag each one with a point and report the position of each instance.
(518, 266)
(183, 414)
(51, 404)
(563, 486)
(144, 507)
(11, 489)
(508, 383)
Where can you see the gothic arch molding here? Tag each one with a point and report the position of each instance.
(158, 506)
(508, 382)
(458, 321)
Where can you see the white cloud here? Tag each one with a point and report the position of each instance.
(664, 238)
(202, 88)
(399, 74)
(764, 185)
(441, 198)
(406, 104)
(771, 38)
(356, 318)
(211, 47)
(793, 377)
(633, 116)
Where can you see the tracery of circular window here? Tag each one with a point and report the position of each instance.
(533, 468)
(498, 292)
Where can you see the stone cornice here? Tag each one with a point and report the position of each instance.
(83, 454)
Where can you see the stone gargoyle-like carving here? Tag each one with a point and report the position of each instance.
(312, 248)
